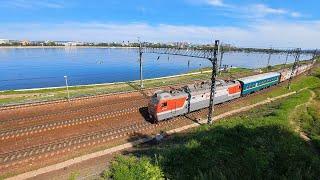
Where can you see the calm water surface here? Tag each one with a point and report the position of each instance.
(36, 68)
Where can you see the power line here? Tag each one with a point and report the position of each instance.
(297, 53)
(140, 61)
(269, 58)
(221, 57)
(208, 53)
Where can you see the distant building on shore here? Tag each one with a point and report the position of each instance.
(4, 41)
(68, 43)
(37, 43)
(179, 44)
(73, 44)
(25, 42)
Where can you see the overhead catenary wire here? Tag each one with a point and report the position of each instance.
(296, 54)
(209, 54)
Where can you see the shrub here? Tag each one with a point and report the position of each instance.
(132, 168)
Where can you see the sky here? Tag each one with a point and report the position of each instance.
(253, 23)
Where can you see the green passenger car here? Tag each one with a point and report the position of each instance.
(255, 83)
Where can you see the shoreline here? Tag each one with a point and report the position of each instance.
(64, 47)
(106, 84)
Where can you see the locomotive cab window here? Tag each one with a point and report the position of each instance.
(165, 104)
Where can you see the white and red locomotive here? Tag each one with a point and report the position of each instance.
(166, 104)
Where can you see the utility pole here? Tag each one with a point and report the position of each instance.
(209, 54)
(66, 80)
(221, 57)
(285, 63)
(297, 53)
(213, 60)
(269, 58)
(314, 58)
(140, 61)
(315, 53)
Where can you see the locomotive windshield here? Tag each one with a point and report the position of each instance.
(154, 99)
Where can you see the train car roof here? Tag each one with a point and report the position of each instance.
(258, 77)
(207, 85)
(169, 94)
(201, 86)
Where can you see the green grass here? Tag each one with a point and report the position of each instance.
(260, 144)
(309, 119)
(254, 145)
(132, 168)
(73, 176)
(28, 96)
(308, 116)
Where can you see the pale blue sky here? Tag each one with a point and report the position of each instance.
(287, 23)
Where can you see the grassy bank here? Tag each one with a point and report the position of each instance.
(28, 96)
(264, 143)
(307, 117)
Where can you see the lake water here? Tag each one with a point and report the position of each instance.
(46, 67)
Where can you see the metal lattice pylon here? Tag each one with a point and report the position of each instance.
(295, 65)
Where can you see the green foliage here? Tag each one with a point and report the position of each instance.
(73, 176)
(260, 144)
(256, 145)
(306, 82)
(269, 67)
(309, 118)
(132, 168)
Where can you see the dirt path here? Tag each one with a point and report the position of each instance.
(297, 125)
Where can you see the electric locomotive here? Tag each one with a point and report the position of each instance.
(167, 104)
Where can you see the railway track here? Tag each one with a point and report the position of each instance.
(57, 124)
(32, 111)
(96, 107)
(49, 120)
(26, 105)
(77, 99)
(81, 141)
(67, 142)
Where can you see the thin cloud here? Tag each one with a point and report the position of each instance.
(251, 10)
(264, 9)
(296, 14)
(213, 3)
(218, 3)
(32, 4)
